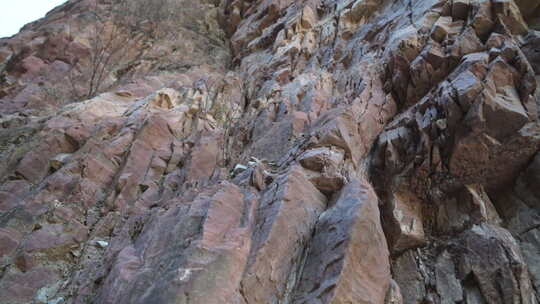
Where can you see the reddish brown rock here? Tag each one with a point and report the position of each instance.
(205, 158)
(9, 241)
(460, 9)
(219, 160)
(211, 255)
(55, 239)
(348, 258)
(405, 229)
(290, 209)
(22, 287)
(338, 128)
(485, 150)
(511, 16)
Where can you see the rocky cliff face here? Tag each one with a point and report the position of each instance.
(273, 151)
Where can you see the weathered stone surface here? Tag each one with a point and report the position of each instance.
(393, 296)
(347, 261)
(405, 227)
(529, 50)
(495, 250)
(468, 206)
(338, 128)
(212, 231)
(527, 184)
(527, 8)
(22, 287)
(320, 158)
(509, 13)
(460, 9)
(9, 241)
(448, 286)
(287, 215)
(409, 277)
(383, 146)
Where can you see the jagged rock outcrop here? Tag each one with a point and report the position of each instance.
(318, 151)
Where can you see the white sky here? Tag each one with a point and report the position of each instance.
(15, 14)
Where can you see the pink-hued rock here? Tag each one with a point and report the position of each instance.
(273, 151)
(405, 227)
(205, 156)
(338, 128)
(213, 237)
(32, 65)
(55, 237)
(9, 241)
(290, 209)
(319, 158)
(22, 287)
(348, 258)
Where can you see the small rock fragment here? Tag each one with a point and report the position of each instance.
(59, 160)
(239, 169)
(102, 244)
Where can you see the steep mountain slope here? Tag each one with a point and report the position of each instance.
(272, 151)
